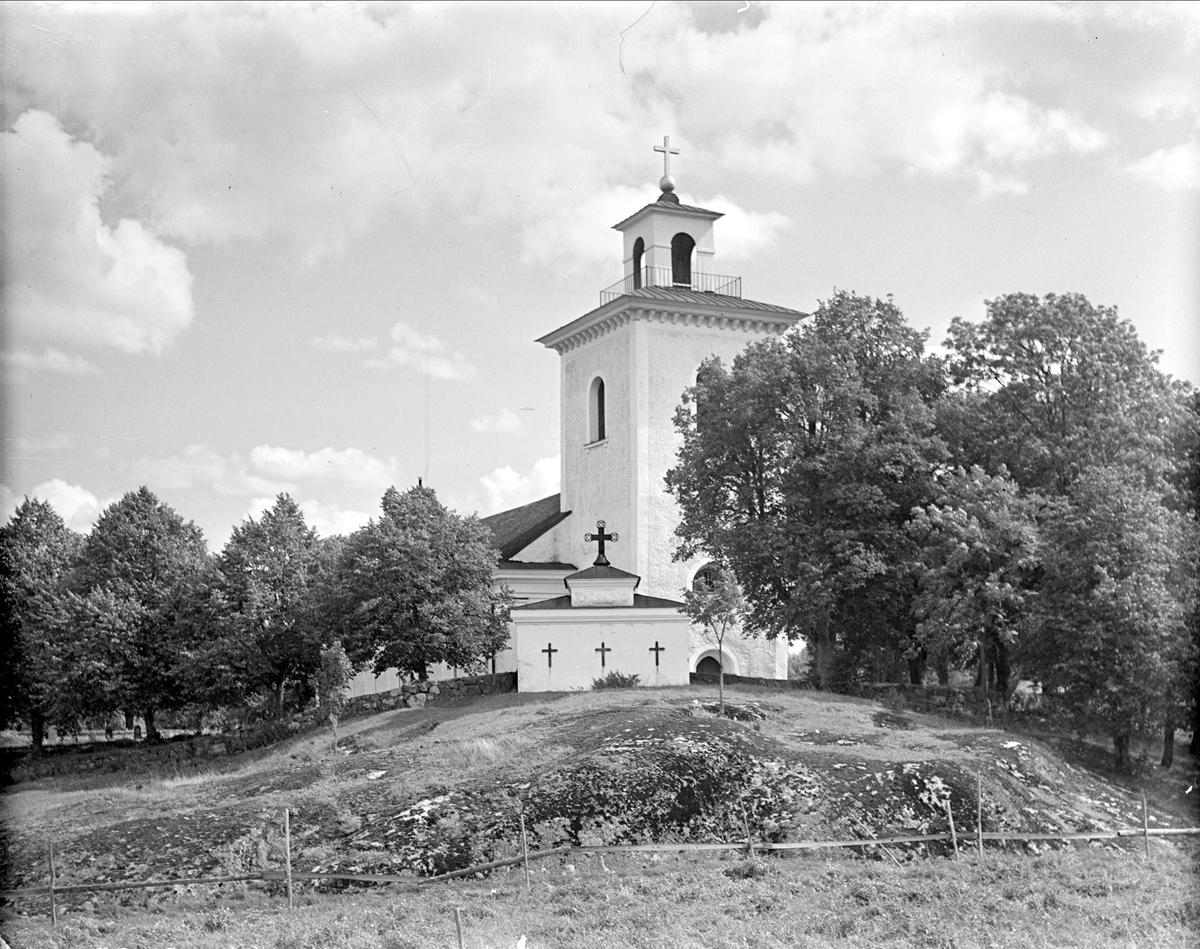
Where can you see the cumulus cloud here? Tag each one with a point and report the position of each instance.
(504, 488)
(424, 353)
(200, 466)
(745, 233)
(504, 422)
(77, 506)
(266, 471)
(349, 466)
(71, 278)
(1173, 169)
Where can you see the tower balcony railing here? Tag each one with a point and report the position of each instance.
(665, 277)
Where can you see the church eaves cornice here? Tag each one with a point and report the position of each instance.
(727, 313)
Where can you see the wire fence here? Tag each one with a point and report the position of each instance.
(959, 840)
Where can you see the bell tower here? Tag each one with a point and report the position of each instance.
(623, 369)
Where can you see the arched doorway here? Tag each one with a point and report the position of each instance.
(708, 666)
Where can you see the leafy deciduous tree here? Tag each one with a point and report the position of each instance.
(144, 556)
(799, 469)
(416, 588)
(37, 552)
(715, 602)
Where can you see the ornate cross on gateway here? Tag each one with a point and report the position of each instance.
(601, 560)
(667, 152)
(604, 651)
(657, 649)
(549, 651)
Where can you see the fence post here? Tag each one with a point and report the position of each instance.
(953, 835)
(525, 850)
(458, 926)
(1145, 824)
(287, 854)
(749, 839)
(53, 908)
(979, 812)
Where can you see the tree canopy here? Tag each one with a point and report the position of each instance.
(415, 588)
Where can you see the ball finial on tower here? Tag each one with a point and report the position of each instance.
(667, 184)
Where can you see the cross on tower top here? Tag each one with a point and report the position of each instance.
(667, 183)
(601, 560)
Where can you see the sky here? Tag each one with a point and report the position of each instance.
(308, 248)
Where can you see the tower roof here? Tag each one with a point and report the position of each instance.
(668, 204)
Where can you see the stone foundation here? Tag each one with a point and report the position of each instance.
(943, 699)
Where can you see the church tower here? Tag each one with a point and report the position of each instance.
(623, 369)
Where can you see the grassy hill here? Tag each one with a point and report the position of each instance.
(424, 791)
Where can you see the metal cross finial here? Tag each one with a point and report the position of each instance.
(667, 152)
(601, 560)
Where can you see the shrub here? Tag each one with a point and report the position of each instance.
(616, 680)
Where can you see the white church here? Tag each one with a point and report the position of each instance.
(591, 568)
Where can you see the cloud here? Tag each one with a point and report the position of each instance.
(426, 354)
(48, 360)
(267, 471)
(77, 506)
(504, 488)
(348, 466)
(72, 279)
(745, 233)
(504, 422)
(1172, 169)
(333, 343)
(200, 466)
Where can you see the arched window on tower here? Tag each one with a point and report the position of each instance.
(682, 246)
(596, 426)
(639, 252)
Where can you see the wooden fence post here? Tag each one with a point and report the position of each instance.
(525, 850)
(458, 926)
(749, 839)
(287, 854)
(53, 908)
(1145, 824)
(953, 836)
(979, 812)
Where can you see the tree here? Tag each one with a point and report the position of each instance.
(333, 678)
(416, 588)
(715, 602)
(37, 553)
(799, 468)
(151, 564)
(1115, 646)
(1052, 387)
(979, 562)
(269, 569)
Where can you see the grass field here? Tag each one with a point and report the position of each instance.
(813, 766)
(1060, 899)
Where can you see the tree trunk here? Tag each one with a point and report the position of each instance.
(37, 730)
(942, 667)
(916, 670)
(151, 729)
(1121, 750)
(1168, 757)
(279, 687)
(720, 677)
(824, 654)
